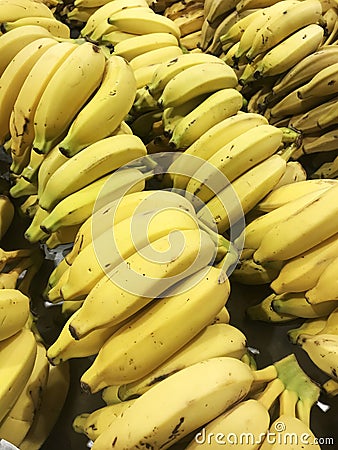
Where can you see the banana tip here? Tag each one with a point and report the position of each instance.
(73, 332)
(85, 387)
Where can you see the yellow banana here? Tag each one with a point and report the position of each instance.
(54, 26)
(323, 83)
(14, 312)
(297, 305)
(6, 214)
(326, 287)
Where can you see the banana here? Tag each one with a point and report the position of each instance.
(249, 272)
(328, 117)
(203, 79)
(102, 13)
(6, 214)
(191, 41)
(14, 312)
(325, 143)
(235, 32)
(50, 163)
(243, 5)
(16, 424)
(331, 324)
(286, 22)
(22, 188)
(156, 56)
(319, 219)
(213, 45)
(198, 251)
(233, 160)
(191, 21)
(151, 328)
(14, 76)
(330, 387)
(327, 170)
(323, 83)
(65, 347)
(34, 233)
(326, 287)
(15, 40)
(138, 45)
(92, 163)
(95, 423)
(306, 69)
(30, 172)
(29, 206)
(218, 106)
(289, 52)
(17, 354)
(294, 173)
(309, 326)
(264, 312)
(78, 77)
(50, 409)
(114, 37)
(77, 207)
(139, 21)
(322, 350)
(210, 142)
(302, 272)
(22, 117)
(309, 122)
(235, 200)
(80, 14)
(10, 11)
(297, 305)
(64, 235)
(55, 27)
(103, 114)
(129, 236)
(144, 75)
(168, 70)
(219, 8)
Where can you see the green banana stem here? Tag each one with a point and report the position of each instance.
(248, 359)
(287, 153)
(267, 374)
(290, 136)
(287, 403)
(270, 394)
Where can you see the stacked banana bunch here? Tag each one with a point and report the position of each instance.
(29, 12)
(278, 393)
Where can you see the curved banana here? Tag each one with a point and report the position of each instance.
(297, 305)
(264, 312)
(34, 233)
(30, 172)
(203, 79)
(326, 142)
(22, 116)
(14, 76)
(156, 56)
(249, 272)
(14, 312)
(198, 251)
(50, 163)
(55, 27)
(323, 83)
(144, 75)
(217, 107)
(77, 78)
(216, 340)
(6, 214)
(10, 11)
(64, 235)
(326, 288)
(309, 326)
(105, 111)
(235, 32)
(309, 122)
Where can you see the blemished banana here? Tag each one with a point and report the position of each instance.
(34, 233)
(18, 421)
(168, 70)
(264, 312)
(77, 207)
(309, 326)
(323, 83)
(102, 14)
(330, 387)
(7, 211)
(235, 32)
(243, 5)
(52, 402)
(103, 114)
(139, 21)
(154, 277)
(140, 44)
(64, 235)
(22, 117)
(10, 11)
(302, 272)
(128, 237)
(216, 340)
(319, 223)
(213, 44)
(218, 9)
(299, 45)
(95, 423)
(249, 272)
(203, 79)
(284, 23)
(308, 122)
(17, 355)
(209, 143)
(65, 347)
(326, 142)
(328, 118)
(235, 200)
(156, 56)
(14, 312)
(295, 304)
(233, 160)
(306, 69)
(78, 77)
(15, 40)
(54, 26)
(217, 107)
(29, 206)
(152, 344)
(216, 383)
(191, 41)
(322, 350)
(14, 76)
(288, 193)
(92, 163)
(326, 287)
(191, 21)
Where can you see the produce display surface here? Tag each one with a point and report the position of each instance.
(168, 224)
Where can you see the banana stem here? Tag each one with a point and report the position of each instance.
(272, 391)
(266, 374)
(303, 410)
(290, 136)
(287, 403)
(287, 152)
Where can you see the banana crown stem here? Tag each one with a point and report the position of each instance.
(272, 391)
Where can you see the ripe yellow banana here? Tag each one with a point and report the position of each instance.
(105, 111)
(14, 76)
(14, 312)
(216, 383)
(309, 326)
(326, 287)
(297, 305)
(34, 233)
(64, 235)
(77, 78)
(22, 116)
(17, 357)
(156, 56)
(203, 79)
(54, 26)
(217, 107)
(215, 340)
(323, 83)
(235, 32)
(264, 312)
(151, 278)
(30, 172)
(50, 163)
(6, 214)
(144, 75)
(249, 272)
(10, 11)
